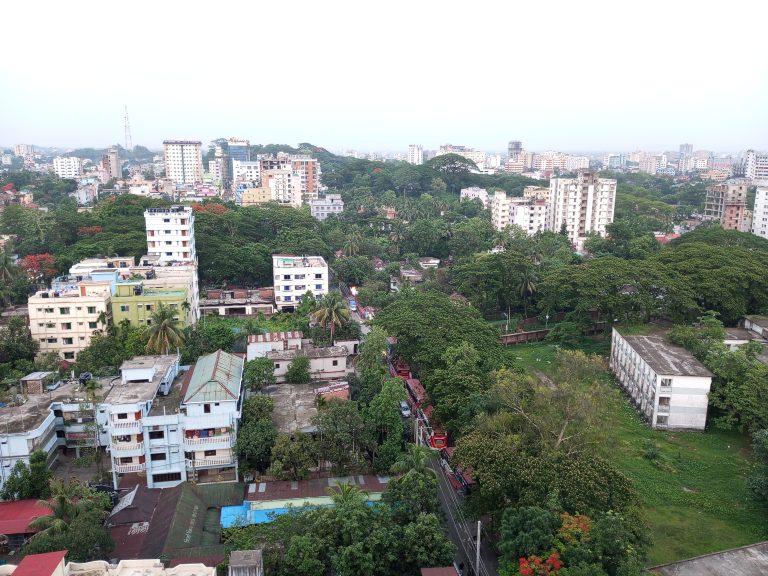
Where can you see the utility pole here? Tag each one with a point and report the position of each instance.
(128, 142)
(477, 552)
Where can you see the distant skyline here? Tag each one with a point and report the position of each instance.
(376, 77)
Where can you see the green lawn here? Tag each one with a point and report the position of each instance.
(693, 493)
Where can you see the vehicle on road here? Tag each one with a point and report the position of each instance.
(405, 410)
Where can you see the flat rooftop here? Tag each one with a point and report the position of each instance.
(761, 321)
(140, 391)
(170, 403)
(745, 561)
(292, 261)
(313, 488)
(666, 358)
(327, 352)
(295, 406)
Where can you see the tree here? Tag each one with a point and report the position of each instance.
(527, 531)
(165, 332)
(425, 544)
(414, 458)
(67, 502)
(257, 408)
(353, 270)
(343, 434)
(16, 342)
(758, 477)
(259, 373)
(28, 481)
(331, 312)
(298, 371)
(255, 440)
(292, 457)
(412, 494)
(86, 539)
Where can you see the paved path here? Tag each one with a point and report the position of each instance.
(462, 532)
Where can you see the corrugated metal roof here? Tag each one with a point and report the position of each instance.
(216, 378)
(15, 516)
(40, 564)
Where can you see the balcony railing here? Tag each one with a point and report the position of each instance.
(663, 409)
(125, 424)
(129, 468)
(222, 439)
(127, 446)
(211, 461)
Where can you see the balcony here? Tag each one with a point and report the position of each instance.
(210, 461)
(221, 440)
(124, 425)
(127, 447)
(129, 468)
(663, 409)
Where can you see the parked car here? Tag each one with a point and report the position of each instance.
(405, 410)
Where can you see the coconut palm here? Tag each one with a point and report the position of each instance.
(415, 458)
(353, 242)
(164, 331)
(397, 234)
(527, 286)
(347, 494)
(66, 503)
(331, 311)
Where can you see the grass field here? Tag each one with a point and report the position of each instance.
(691, 484)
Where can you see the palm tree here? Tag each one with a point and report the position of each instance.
(186, 306)
(164, 331)
(527, 286)
(7, 274)
(331, 311)
(397, 234)
(353, 242)
(66, 502)
(415, 458)
(347, 494)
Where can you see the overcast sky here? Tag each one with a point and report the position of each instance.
(380, 75)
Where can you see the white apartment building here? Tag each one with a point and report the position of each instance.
(171, 234)
(294, 276)
(327, 363)
(24, 150)
(153, 435)
(415, 154)
(665, 382)
(183, 161)
(529, 214)
(536, 193)
(260, 344)
(756, 165)
(302, 181)
(583, 204)
(284, 185)
(760, 213)
(474, 192)
(68, 167)
(246, 170)
(64, 321)
(323, 207)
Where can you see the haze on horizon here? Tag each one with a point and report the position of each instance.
(571, 76)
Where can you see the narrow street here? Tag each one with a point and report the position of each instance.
(462, 532)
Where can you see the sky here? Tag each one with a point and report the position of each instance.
(377, 76)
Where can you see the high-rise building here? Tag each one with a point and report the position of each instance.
(686, 149)
(68, 167)
(415, 154)
(294, 276)
(183, 161)
(727, 203)
(756, 165)
(582, 204)
(760, 213)
(306, 170)
(530, 214)
(514, 149)
(24, 150)
(239, 150)
(110, 163)
(171, 234)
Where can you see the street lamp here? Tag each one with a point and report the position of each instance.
(507, 329)
(546, 321)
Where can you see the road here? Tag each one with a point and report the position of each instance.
(462, 532)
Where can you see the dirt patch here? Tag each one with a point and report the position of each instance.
(690, 490)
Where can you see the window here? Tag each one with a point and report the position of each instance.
(125, 308)
(63, 311)
(277, 366)
(156, 435)
(318, 276)
(126, 460)
(67, 340)
(156, 457)
(207, 408)
(92, 325)
(166, 219)
(666, 381)
(69, 355)
(122, 416)
(52, 340)
(210, 452)
(318, 286)
(170, 477)
(91, 309)
(335, 362)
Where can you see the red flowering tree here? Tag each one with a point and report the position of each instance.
(39, 266)
(89, 230)
(212, 208)
(536, 566)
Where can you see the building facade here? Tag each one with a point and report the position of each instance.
(415, 154)
(253, 196)
(756, 165)
(727, 203)
(474, 192)
(582, 205)
(323, 207)
(171, 234)
(294, 276)
(760, 213)
(136, 303)
(666, 383)
(183, 161)
(68, 167)
(64, 321)
(530, 214)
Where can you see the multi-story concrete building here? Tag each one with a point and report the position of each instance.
(110, 163)
(415, 154)
(583, 204)
(64, 321)
(24, 150)
(136, 303)
(171, 234)
(528, 213)
(68, 167)
(756, 165)
(727, 203)
(323, 207)
(183, 161)
(294, 276)
(166, 441)
(325, 363)
(300, 185)
(665, 382)
(514, 149)
(536, 193)
(246, 171)
(475, 156)
(253, 196)
(239, 150)
(284, 186)
(760, 213)
(474, 192)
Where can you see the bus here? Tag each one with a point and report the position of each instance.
(460, 476)
(416, 393)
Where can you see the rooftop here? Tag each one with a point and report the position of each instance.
(295, 406)
(40, 564)
(315, 487)
(745, 561)
(666, 358)
(275, 336)
(761, 321)
(134, 391)
(216, 377)
(16, 515)
(291, 261)
(326, 352)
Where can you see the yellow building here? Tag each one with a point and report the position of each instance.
(136, 303)
(255, 196)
